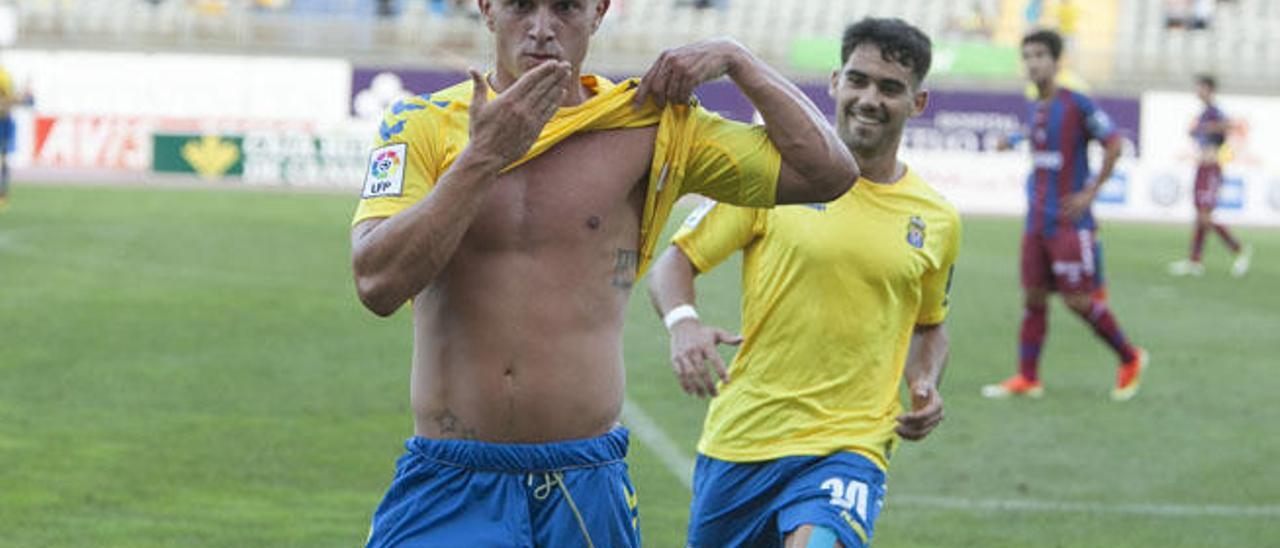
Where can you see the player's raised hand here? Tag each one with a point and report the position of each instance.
(926, 413)
(693, 347)
(507, 126)
(676, 73)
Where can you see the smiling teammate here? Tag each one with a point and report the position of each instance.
(838, 300)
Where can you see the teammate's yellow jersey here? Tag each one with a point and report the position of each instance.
(8, 95)
(831, 294)
(695, 151)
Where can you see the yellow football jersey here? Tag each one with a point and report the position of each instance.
(695, 152)
(7, 93)
(831, 294)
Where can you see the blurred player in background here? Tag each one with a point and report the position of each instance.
(836, 299)
(1210, 133)
(9, 98)
(516, 221)
(1060, 249)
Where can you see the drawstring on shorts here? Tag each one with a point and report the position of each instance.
(551, 480)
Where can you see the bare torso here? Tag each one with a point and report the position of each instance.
(519, 338)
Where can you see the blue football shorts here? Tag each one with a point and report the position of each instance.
(8, 133)
(475, 494)
(757, 504)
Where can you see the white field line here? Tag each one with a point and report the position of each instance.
(655, 439)
(681, 466)
(1062, 507)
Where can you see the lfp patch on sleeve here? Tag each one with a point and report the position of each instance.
(385, 176)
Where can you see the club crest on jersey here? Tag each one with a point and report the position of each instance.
(386, 172)
(915, 232)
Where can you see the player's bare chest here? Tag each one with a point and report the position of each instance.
(588, 184)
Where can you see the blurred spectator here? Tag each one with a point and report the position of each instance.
(453, 8)
(381, 8)
(1033, 13)
(1192, 14)
(271, 5)
(468, 7)
(707, 4)
(1176, 12)
(386, 8)
(210, 7)
(1067, 15)
(976, 23)
(1202, 13)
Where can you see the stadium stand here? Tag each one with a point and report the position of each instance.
(1123, 45)
(1236, 44)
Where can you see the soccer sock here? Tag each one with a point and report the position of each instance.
(1227, 237)
(1035, 322)
(1104, 324)
(1197, 243)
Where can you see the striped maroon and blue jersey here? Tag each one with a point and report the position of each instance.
(1201, 133)
(1060, 131)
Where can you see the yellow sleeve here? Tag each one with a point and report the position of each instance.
(732, 162)
(6, 85)
(405, 161)
(935, 301)
(714, 231)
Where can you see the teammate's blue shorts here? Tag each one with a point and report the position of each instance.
(478, 495)
(8, 133)
(757, 503)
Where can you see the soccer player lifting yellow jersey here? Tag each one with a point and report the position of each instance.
(515, 211)
(836, 299)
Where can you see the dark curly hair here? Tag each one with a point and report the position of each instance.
(1047, 37)
(899, 42)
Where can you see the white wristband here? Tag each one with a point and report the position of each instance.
(679, 314)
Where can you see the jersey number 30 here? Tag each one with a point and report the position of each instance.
(850, 496)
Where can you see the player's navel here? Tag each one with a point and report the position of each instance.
(593, 222)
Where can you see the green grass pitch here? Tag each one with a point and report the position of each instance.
(191, 368)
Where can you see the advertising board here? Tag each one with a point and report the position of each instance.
(293, 157)
(114, 143)
(166, 85)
